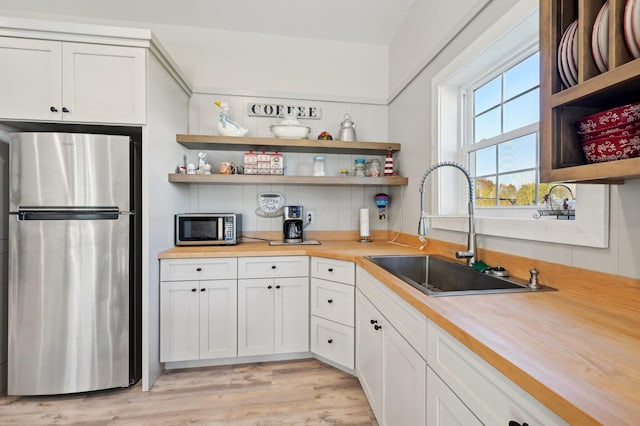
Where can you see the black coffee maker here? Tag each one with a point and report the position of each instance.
(293, 224)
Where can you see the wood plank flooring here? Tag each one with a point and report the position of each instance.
(300, 392)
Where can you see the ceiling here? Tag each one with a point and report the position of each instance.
(359, 21)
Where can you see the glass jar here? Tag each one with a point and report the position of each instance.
(319, 166)
(373, 168)
(359, 167)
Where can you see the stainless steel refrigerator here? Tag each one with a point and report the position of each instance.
(70, 225)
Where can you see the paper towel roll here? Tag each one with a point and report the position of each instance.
(364, 223)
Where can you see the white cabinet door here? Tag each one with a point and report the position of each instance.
(291, 315)
(444, 408)
(103, 83)
(218, 319)
(404, 380)
(30, 79)
(369, 352)
(255, 316)
(179, 321)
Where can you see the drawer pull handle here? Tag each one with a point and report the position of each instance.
(273, 266)
(278, 286)
(269, 287)
(193, 289)
(203, 289)
(330, 269)
(198, 269)
(374, 321)
(377, 327)
(514, 423)
(330, 341)
(330, 301)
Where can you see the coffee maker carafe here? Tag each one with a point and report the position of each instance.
(293, 224)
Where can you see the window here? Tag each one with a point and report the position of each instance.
(485, 116)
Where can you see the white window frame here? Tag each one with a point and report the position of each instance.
(591, 226)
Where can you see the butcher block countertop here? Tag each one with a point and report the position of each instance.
(576, 350)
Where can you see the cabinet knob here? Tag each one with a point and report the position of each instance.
(269, 287)
(64, 109)
(377, 327)
(198, 269)
(203, 289)
(514, 423)
(330, 341)
(374, 321)
(330, 301)
(193, 289)
(330, 269)
(278, 286)
(53, 109)
(273, 266)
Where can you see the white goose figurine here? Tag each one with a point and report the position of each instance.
(226, 126)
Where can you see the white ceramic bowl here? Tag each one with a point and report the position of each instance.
(290, 131)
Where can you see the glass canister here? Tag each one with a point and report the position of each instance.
(373, 168)
(359, 167)
(319, 166)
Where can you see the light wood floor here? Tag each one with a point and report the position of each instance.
(301, 392)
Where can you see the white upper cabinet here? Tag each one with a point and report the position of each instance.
(74, 82)
(103, 83)
(30, 79)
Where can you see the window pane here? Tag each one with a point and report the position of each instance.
(522, 77)
(487, 96)
(486, 192)
(517, 189)
(522, 110)
(518, 154)
(483, 161)
(487, 125)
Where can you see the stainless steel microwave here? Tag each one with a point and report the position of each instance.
(207, 229)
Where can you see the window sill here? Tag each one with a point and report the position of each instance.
(570, 232)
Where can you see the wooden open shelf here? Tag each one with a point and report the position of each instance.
(227, 143)
(561, 155)
(290, 180)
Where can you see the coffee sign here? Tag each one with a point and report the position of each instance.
(279, 110)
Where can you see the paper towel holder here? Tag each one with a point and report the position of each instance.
(364, 226)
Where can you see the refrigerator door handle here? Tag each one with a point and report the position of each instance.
(60, 213)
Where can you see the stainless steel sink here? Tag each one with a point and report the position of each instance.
(438, 276)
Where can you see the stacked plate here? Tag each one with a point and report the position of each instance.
(568, 55)
(600, 38)
(613, 134)
(632, 27)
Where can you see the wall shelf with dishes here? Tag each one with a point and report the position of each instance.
(589, 66)
(225, 143)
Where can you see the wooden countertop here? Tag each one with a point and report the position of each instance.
(576, 350)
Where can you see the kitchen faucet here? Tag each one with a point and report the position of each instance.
(470, 253)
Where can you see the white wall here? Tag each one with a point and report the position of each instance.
(428, 28)
(335, 207)
(410, 123)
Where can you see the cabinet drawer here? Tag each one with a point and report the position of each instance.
(198, 269)
(332, 341)
(492, 397)
(273, 266)
(332, 301)
(409, 322)
(334, 270)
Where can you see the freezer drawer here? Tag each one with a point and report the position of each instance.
(68, 309)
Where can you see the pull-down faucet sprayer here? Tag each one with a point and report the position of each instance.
(470, 253)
